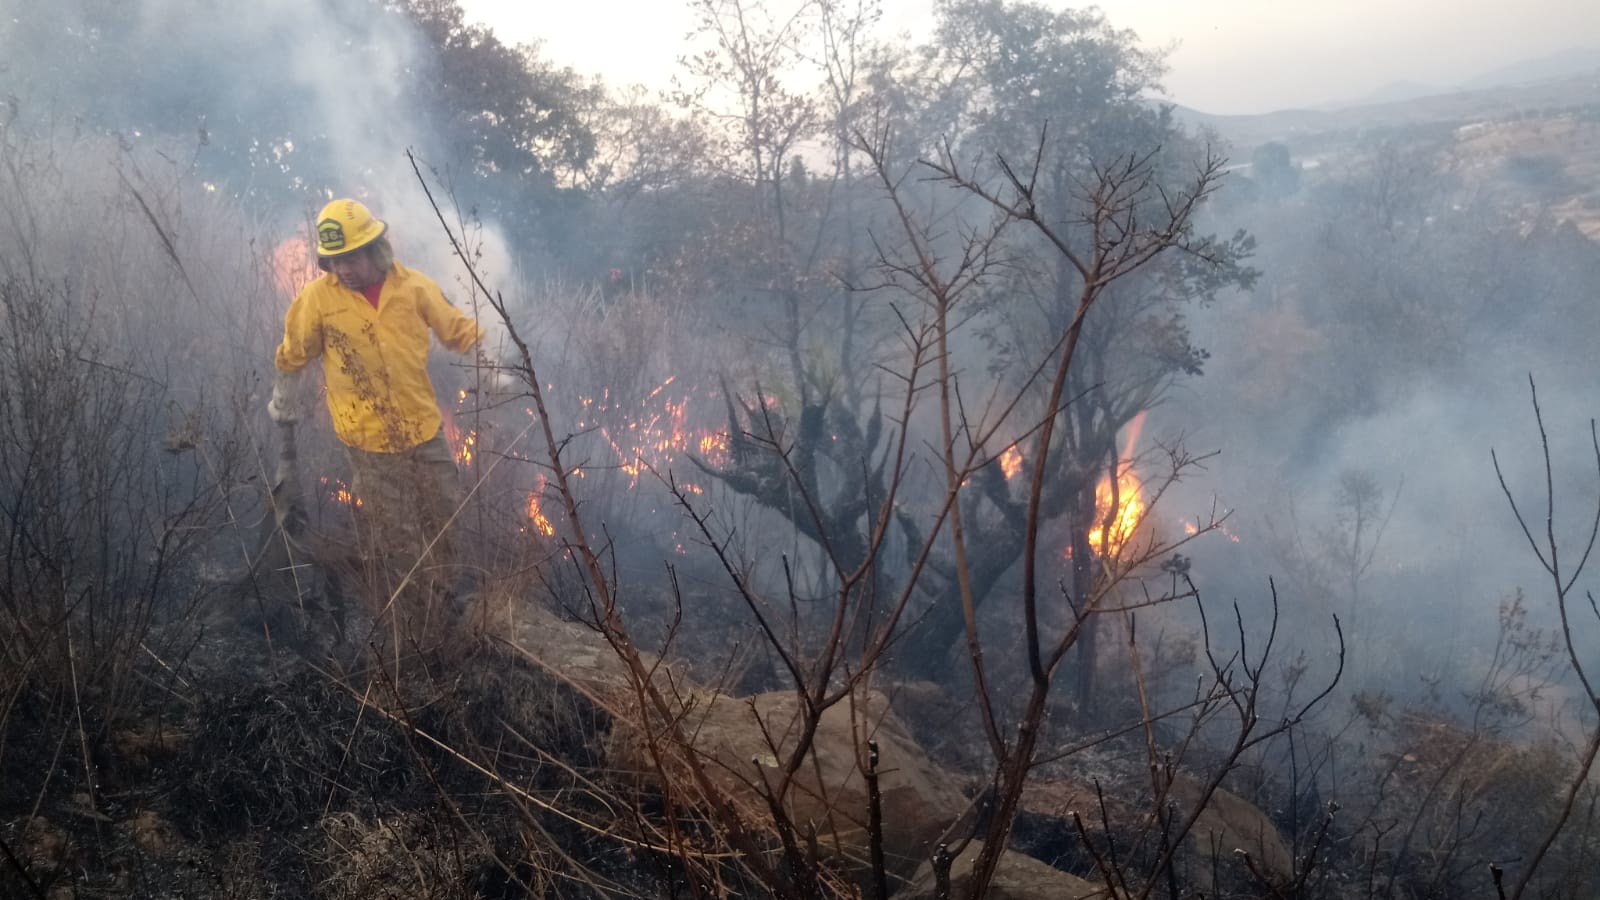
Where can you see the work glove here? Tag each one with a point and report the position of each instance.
(284, 407)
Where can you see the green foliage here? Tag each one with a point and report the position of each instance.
(1058, 96)
(1027, 70)
(512, 124)
(1272, 170)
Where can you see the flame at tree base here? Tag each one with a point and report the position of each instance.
(1119, 510)
(1108, 538)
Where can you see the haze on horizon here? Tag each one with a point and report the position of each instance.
(1228, 57)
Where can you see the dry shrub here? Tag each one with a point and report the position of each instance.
(131, 313)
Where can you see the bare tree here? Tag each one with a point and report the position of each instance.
(1563, 581)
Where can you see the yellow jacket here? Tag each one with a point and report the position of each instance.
(375, 361)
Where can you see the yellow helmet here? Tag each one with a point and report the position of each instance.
(346, 225)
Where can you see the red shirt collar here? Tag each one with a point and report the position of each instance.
(373, 291)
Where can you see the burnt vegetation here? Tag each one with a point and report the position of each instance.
(850, 476)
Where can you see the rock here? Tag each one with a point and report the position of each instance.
(1017, 877)
(1044, 828)
(740, 744)
(577, 654)
(1231, 823)
(731, 739)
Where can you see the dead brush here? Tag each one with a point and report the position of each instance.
(466, 774)
(126, 477)
(108, 515)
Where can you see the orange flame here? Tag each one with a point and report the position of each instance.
(463, 444)
(650, 433)
(1192, 529)
(650, 436)
(464, 449)
(536, 515)
(713, 444)
(1129, 513)
(1112, 530)
(1011, 462)
(340, 492)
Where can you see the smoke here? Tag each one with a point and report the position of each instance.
(284, 104)
(1392, 518)
(235, 123)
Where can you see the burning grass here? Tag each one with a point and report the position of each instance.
(238, 767)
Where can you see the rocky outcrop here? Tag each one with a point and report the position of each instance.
(744, 744)
(1228, 825)
(1018, 877)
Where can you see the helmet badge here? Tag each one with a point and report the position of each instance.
(330, 235)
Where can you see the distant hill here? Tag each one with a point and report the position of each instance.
(1566, 64)
(1310, 130)
(1395, 92)
(1534, 145)
(1557, 66)
(1570, 78)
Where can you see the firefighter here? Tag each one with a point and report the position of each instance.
(369, 319)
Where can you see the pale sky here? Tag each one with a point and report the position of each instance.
(1232, 56)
